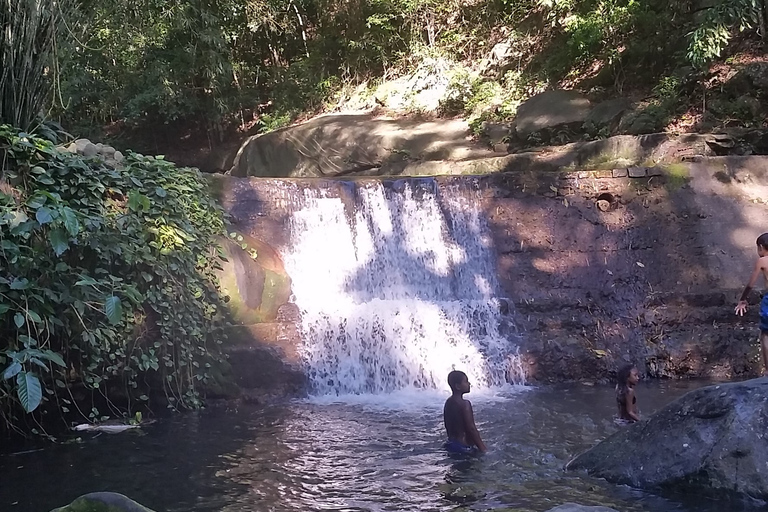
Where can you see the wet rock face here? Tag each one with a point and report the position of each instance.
(103, 502)
(710, 441)
(600, 268)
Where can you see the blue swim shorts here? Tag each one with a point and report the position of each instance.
(764, 313)
(459, 448)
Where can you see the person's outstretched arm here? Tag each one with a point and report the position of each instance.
(741, 307)
(472, 434)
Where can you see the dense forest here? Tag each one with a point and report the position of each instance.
(96, 259)
(217, 64)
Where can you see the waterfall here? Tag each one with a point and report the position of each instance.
(396, 286)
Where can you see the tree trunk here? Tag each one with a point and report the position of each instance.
(763, 8)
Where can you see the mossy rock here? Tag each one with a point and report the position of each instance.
(103, 502)
(254, 279)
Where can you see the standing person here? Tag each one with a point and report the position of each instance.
(459, 418)
(626, 400)
(761, 268)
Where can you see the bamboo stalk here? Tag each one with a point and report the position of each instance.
(30, 28)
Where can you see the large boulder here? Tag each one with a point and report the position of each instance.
(711, 441)
(551, 110)
(353, 144)
(103, 502)
(606, 116)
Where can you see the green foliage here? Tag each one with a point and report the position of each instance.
(712, 35)
(206, 64)
(108, 278)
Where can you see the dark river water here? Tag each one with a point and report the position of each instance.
(364, 453)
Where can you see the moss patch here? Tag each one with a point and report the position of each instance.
(676, 175)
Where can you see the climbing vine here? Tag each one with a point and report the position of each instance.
(108, 285)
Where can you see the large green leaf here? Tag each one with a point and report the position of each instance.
(138, 202)
(44, 215)
(20, 284)
(86, 281)
(12, 370)
(18, 319)
(59, 241)
(19, 217)
(114, 309)
(70, 221)
(29, 390)
(54, 358)
(37, 201)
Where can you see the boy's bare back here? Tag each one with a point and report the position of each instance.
(458, 416)
(454, 413)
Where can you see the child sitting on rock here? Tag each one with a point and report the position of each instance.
(626, 400)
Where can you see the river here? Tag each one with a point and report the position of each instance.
(355, 453)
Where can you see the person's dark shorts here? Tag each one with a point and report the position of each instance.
(764, 313)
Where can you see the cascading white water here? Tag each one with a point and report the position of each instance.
(396, 290)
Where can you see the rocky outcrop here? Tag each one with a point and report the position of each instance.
(710, 442)
(354, 144)
(551, 110)
(103, 502)
(86, 148)
(573, 507)
(619, 151)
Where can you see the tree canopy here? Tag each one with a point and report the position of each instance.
(219, 61)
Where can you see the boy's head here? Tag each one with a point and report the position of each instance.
(458, 382)
(762, 245)
(627, 375)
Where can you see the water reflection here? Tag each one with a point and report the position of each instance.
(356, 455)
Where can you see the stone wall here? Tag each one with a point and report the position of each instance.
(602, 267)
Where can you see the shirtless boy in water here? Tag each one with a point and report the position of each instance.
(463, 436)
(761, 268)
(627, 379)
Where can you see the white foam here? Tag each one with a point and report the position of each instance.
(396, 292)
(417, 400)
